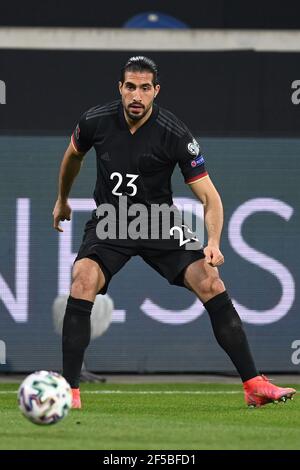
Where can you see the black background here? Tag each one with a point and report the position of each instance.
(215, 93)
(195, 13)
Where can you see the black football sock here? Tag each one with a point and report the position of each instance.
(75, 338)
(229, 333)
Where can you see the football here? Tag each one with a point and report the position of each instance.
(44, 397)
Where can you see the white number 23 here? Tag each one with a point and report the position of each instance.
(129, 184)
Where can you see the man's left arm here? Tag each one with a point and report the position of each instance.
(206, 192)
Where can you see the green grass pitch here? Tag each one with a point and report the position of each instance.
(155, 417)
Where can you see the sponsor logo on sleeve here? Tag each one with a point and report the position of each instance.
(197, 161)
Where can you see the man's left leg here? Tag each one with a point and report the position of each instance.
(204, 280)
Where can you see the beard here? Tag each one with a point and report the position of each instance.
(135, 116)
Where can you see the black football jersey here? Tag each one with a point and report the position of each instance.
(138, 165)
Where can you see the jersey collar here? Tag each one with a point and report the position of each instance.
(148, 123)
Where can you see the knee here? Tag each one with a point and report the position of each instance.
(210, 287)
(86, 282)
(83, 286)
(217, 286)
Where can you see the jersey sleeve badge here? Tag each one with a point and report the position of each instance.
(197, 161)
(193, 148)
(77, 132)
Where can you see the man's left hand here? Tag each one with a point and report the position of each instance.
(213, 255)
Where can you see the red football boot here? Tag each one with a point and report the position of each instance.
(259, 391)
(76, 401)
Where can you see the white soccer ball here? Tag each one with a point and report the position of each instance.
(44, 397)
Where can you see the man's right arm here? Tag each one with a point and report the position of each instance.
(69, 169)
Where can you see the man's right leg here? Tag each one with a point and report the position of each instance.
(88, 280)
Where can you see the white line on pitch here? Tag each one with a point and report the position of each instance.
(162, 392)
(147, 392)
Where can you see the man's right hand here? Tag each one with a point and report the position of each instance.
(62, 211)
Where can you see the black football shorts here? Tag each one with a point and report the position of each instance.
(167, 257)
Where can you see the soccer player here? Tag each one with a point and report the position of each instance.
(138, 144)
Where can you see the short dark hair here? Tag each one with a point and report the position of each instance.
(140, 63)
